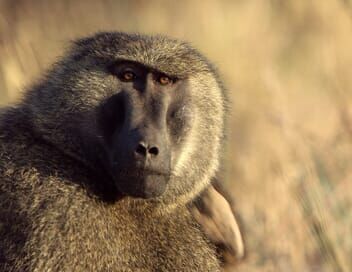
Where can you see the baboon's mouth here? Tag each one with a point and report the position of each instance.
(140, 172)
(142, 183)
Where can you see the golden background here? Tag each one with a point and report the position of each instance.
(288, 68)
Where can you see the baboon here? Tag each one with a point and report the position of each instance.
(100, 159)
(213, 211)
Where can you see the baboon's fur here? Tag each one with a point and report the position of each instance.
(58, 212)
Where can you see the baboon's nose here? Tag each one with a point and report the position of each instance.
(146, 150)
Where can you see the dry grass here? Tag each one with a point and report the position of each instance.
(287, 65)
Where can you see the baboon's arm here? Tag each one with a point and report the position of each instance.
(213, 212)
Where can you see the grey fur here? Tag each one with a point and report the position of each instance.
(57, 213)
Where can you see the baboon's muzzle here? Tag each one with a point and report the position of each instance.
(140, 155)
(142, 163)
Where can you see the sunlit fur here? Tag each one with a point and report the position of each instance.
(64, 212)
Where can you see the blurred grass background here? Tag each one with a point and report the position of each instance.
(287, 65)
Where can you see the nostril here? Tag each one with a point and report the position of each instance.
(141, 149)
(153, 150)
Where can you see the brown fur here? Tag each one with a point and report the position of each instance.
(58, 211)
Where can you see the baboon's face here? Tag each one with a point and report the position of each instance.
(143, 125)
(147, 110)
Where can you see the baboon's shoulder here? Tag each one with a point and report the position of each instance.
(49, 209)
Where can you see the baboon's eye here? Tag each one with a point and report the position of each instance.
(127, 76)
(165, 80)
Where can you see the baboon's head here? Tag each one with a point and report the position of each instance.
(147, 110)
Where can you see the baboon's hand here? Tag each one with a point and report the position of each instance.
(214, 214)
